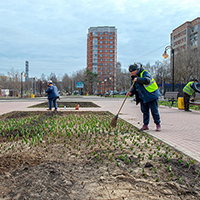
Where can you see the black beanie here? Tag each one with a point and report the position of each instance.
(133, 67)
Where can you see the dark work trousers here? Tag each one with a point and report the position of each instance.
(186, 98)
(153, 106)
(54, 103)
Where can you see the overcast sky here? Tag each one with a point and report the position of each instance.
(52, 34)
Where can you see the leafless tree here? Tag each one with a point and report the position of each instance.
(123, 80)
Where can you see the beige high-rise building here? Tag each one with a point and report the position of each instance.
(186, 36)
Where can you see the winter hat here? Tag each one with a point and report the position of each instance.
(133, 68)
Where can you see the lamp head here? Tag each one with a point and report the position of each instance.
(165, 55)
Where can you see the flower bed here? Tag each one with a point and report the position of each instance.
(62, 104)
(70, 155)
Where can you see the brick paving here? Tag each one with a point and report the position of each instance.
(180, 129)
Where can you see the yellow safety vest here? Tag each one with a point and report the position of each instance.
(187, 89)
(152, 86)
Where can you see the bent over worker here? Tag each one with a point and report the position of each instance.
(188, 91)
(147, 93)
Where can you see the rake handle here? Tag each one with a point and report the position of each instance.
(125, 98)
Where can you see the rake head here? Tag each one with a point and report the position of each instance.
(114, 121)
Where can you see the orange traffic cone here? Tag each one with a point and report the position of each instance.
(77, 107)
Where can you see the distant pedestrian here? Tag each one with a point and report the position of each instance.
(147, 93)
(52, 92)
(188, 91)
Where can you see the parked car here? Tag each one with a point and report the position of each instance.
(99, 94)
(115, 92)
(107, 94)
(123, 93)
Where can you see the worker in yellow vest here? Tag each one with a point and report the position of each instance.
(147, 93)
(188, 91)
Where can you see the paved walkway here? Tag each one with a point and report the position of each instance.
(180, 129)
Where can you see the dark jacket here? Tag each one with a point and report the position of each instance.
(52, 91)
(194, 87)
(140, 91)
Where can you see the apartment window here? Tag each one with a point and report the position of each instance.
(100, 64)
(101, 33)
(111, 60)
(106, 46)
(101, 55)
(111, 33)
(106, 33)
(111, 46)
(185, 31)
(100, 46)
(111, 51)
(101, 60)
(101, 42)
(95, 41)
(106, 42)
(111, 55)
(95, 51)
(106, 37)
(111, 37)
(94, 69)
(184, 39)
(101, 37)
(100, 73)
(111, 68)
(106, 63)
(106, 50)
(101, 51)
(95, 34)
(106, 55)
(111, 42)
(111, 64)
(100, 68)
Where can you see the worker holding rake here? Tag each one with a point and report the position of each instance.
(146, 92)
(53, 95)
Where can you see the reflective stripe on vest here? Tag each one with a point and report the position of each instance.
(187, 89)
(152, 86)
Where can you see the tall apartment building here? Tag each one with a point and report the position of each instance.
(186, 36)
(102, 56)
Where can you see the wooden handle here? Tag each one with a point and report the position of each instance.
(125, 98)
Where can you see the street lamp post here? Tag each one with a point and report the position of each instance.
(105, 86)
(112, 78)
(22, 84)
(165, 55)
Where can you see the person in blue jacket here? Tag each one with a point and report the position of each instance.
(52, 92)
(188, 91)
(146, 92)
